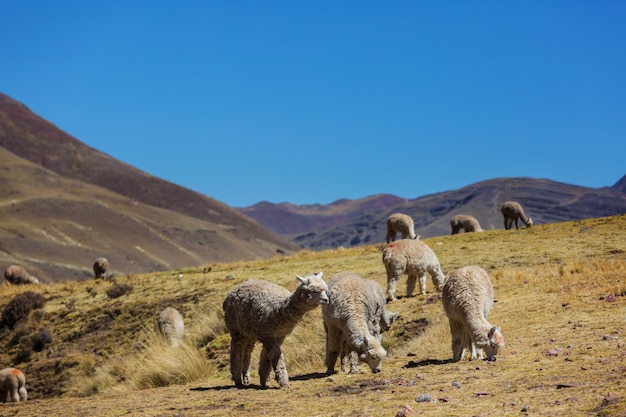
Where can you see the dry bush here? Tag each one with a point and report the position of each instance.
(19, 308)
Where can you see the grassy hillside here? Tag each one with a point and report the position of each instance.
(561, 304)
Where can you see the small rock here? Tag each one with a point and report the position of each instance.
(610, 298)
(608, 337)
(567, 385)
(404, 411)
(230, 276)
(620, 344)
(525, 408)
(424, 398)
(456, 384)
(411, 354)
(552, 352)
(445, 399)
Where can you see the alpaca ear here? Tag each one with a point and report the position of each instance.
(319, 275)
(301, 279)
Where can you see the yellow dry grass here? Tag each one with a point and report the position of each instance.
(561, 304)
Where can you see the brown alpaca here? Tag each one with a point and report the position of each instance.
(513, 212)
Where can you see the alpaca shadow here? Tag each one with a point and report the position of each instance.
(306, 377)
(427, 362)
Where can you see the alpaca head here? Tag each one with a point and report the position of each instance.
(494, 342)
(372, 353)
(387, 319)
(529, 222)
(313, 289)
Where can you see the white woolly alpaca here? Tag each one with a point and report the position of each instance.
(513, 212)
(466, 222)
(378, 323)
(400, 223)
(258, 310)
(17, 275)
(467, 299)
(414, 258)
(100, 267)
(171, 326)
(352, 322)
(12, 385)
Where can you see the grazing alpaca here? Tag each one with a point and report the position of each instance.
(466, 222)
(467, 299)
(17, 275)
(513, 212)
(12, 385)
(171, 326)
(100, 267)
(414, 258)
(258, 310)
(353, 321)
(400, 223)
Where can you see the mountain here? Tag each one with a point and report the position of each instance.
(292, 220)
(544, 200)
(63, 203)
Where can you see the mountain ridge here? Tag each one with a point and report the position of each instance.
(544, 200)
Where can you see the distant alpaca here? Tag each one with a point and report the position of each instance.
(17, 275)
(466, 222)
(414, 258)
(400, 223)
(171, 326)
(512, 212)
(100, 267)
(258, 310)
(12, 385)
(467, 299)
(352, 321)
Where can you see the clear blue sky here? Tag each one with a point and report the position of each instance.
(309, 102)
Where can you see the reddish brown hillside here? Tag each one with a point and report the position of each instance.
(29, 136)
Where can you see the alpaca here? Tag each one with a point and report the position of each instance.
(513, 212)
(100, 267)
(258, 310)
(352, 321)
(17, 275)
(12, 385)
(171, 326)
(467, 299)
(400, 223)
(466, 222)
(414, 258)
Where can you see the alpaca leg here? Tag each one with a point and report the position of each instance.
(236, 358)
(345, 356)
(458, 335)
(392, 285)
(410, 285)
(333, 349)
(422, 279)
(247, 353)
(23, 393)
(265, 367)
(280, 368)
(276, 360)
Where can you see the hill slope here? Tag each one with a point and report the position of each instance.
(140, 221)
(564, 351)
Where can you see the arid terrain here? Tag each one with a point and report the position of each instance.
(560, 294)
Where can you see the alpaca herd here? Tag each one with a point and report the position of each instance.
(353, 309)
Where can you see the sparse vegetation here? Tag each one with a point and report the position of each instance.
(560, 291)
